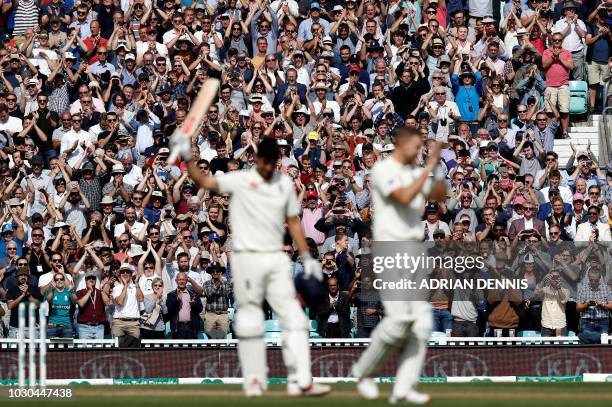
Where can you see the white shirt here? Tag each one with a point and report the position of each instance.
(143, 46)
(330, 104)
(432, 227)
(394, 221)
(68, 140)
(12, 125)
(572, 41)
(258, 209)
(48, 277)
(135, 229)
(130, 308)
(133, 177)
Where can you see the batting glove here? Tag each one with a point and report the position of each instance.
(312, 268)
(181, 146)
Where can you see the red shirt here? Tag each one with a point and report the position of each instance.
(89, 41)
(556, 74)
(94, 310)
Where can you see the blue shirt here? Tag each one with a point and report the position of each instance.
(59, 309)
(3, 247)
(467, 97)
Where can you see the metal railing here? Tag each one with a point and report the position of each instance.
(605, 131)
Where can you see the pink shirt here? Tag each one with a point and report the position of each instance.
(309, 218)
(556, 74)
(185, 310)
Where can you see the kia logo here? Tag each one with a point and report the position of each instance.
(567, 363)
(217, 366)
(113, 367)
(333, 365)
(455, 364)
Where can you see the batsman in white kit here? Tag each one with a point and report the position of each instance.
(400, 191)
(262, 201)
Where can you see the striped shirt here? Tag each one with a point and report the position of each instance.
(26, 16)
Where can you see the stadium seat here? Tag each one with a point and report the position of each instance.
(529, 334)
(230, 314)
(313, 329)
(571, 333)
(271, 325)
(202, 335)
(579, 97)
(437, 334)
(168, 331)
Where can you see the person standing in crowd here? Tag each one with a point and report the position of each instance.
(126, 295)
(92, 309)
(218, 294)
(184, 309)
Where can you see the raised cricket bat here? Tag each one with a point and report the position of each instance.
(200, 106)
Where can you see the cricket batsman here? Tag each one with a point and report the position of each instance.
(262, 200)
(400, 191)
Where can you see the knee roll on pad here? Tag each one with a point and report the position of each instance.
(422, 327)
(295, 321)
(394, 330)
(249, 323)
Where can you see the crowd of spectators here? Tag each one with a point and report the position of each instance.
(95, 219)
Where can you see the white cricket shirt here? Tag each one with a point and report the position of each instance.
(258, 209)
(394, 221)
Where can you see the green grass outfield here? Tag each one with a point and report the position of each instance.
(444, 394)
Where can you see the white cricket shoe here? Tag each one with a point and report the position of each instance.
(413, 397)
(367, 388)
(313, 390)
(253, 389)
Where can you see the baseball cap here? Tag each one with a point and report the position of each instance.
(164, 151)
(519, 200)
(118, 169)
(313, 135)
(432, 207)
(312, 194)
(125, 266)
(354, 68)
(36, 217)
(315, 6)
(37, 160)
(7, 227)
(88, 166)
(578, 197)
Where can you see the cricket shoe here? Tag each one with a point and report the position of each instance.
(413, 397)
(313, 390)
(253, 388)
(367, 388)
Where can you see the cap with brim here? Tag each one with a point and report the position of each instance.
(69, 55)
(337, 163)
(444, 59)
(437, 41)
(369, 132)
(88, 166)
(15, 202)
(130, 56)
(123, 45)
(467, 73)
(205, 256)
(582, 153)
(320, 85)
(215, 267)
(125, 266)
(301, 110)
(315, 6)
(521, 31)
(519, 200)
(90, 274)
(22, 271)
(282, 143)
(33, 81)
(157, 194)
(107, 200)
(183, 217)
(338, 8)
(313, 135)
(578, 197)
(492, 144)
(387, 148)
(204, 230)
(36, 217)
(488, 20)
(568, 4)
(298, 53)
(135, 250)
(164, 151)
(312, 195)
(118, 169)
(37, 160)
(256, 99)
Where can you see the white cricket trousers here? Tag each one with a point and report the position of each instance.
(407, 326)
(259, 276)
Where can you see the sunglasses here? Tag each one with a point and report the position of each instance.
(157, 285)
(521, 111)
(55, 260)
(125, 272)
